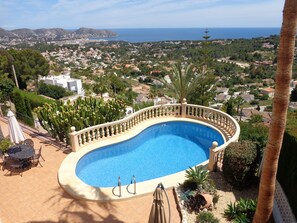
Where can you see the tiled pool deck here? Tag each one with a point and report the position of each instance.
(36, 196)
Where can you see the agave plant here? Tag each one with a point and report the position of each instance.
(245, 205)
(198, 175)
(242, 218)
(241, 211)
(231, 211)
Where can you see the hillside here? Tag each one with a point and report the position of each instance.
(55, 33)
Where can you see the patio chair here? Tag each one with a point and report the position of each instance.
(36, 157)
(29, 142)
(39, 152)
(3, 159)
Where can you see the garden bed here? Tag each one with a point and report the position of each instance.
(227, 194)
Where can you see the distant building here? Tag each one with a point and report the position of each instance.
(268, 91)
(247, 97)
(216, 105)
(247, 113)
(64, 80)
(142, 99)
(268, 81)
(268, 45)
(222, 97)
(222, 90)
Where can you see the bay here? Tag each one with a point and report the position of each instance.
(175, 34)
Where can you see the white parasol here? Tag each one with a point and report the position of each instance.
(15, 132)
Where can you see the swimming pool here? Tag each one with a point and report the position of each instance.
(159, 150)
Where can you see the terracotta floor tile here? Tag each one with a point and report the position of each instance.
(37, 197)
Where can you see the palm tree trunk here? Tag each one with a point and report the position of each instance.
(279, 113)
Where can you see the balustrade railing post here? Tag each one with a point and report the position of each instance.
(212, 157)
(184, 108)
(74, 139)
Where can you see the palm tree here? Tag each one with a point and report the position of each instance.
(280, 104)
(181, 79)
(238, 101)
(102, 85)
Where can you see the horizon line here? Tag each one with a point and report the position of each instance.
(250, 27)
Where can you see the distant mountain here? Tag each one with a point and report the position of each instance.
(55, 33)
(23, 32)
(4, 33)
(93, 32)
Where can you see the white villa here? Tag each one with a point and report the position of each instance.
(64, 80)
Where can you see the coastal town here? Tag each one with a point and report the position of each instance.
(148, 111)
(233, 77)
(249, 82)
(244, 78)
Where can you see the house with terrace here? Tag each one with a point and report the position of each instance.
(64, 80)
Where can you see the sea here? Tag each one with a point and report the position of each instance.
(175, 34)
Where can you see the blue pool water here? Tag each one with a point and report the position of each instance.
(159, 150)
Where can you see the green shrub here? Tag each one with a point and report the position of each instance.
(23, 109)
(29, 116)
(142, 105)
(53, 91)
(34, 99)
(240, 163)
(4, 145)
(206, 217)
(241, 211)
(291, 126)
(188, 185)
(257, 133)
(215, 199)
(256, 119)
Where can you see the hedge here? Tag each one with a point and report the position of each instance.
(23, 109)
(34, 99)
(240, 163)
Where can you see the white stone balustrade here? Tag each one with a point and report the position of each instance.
(224, 122)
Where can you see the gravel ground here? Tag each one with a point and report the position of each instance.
(227, 194)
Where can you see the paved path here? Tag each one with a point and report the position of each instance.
(36, 197)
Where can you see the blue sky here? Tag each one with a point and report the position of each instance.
(108, 14)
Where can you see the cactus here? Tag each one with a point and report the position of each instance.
(57, 119)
